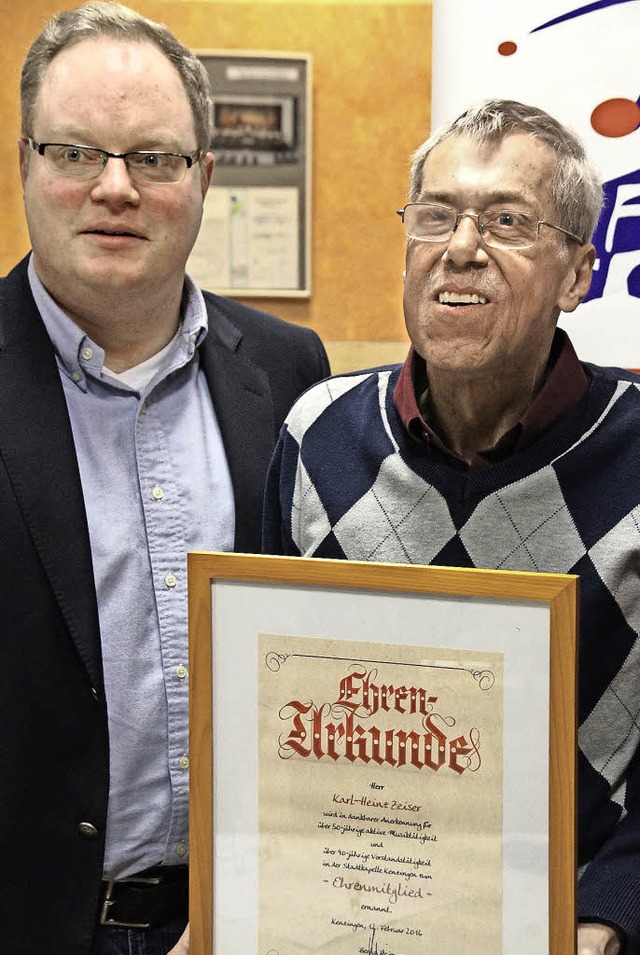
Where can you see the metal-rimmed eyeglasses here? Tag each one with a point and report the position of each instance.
(87, 162)
(499, 229)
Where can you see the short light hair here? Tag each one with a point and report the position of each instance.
(98, 19)
(576, 187)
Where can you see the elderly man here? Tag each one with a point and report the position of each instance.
(138, 418)
(493, 446)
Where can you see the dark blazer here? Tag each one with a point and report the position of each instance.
(53, 727)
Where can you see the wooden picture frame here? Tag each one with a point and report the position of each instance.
(529, 619)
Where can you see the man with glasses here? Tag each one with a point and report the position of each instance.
(138, 418)
(492, 446)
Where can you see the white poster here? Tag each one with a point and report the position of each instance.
(581, 64)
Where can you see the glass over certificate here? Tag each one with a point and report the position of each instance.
(382, 759)
(380, 798)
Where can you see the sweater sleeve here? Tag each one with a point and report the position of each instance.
(277, 517)
(609, 890)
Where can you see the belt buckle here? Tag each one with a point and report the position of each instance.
(109, 901)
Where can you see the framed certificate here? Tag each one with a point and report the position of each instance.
(382, 758)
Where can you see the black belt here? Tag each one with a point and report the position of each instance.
(147, 899)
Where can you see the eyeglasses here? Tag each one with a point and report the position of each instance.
(86, 162)
(503, 229)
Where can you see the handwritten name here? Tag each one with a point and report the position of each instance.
(353, 800)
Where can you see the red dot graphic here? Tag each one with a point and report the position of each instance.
(616, 117)
(508, 48)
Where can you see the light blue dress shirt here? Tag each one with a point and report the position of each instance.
(156, 484)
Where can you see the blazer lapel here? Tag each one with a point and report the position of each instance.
(242, 401)
(37, 449)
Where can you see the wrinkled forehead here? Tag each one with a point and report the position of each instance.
(515, 168)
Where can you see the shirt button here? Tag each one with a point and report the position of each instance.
(76, 375)
(157, 493)
(87, 830)
(143, 408)
(181, 671)
(181, 848)
(183, 762)
(171, 580)
(87, 353)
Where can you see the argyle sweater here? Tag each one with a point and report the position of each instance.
(348, 481)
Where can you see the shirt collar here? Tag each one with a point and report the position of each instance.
(79, 356)
(565, 385)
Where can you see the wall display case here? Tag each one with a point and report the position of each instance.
(254, 239)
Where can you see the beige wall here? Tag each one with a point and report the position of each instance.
(371, 94)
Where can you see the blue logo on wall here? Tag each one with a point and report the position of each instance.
(617, 234)
(580, 12)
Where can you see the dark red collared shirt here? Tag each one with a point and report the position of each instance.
(565, 385)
